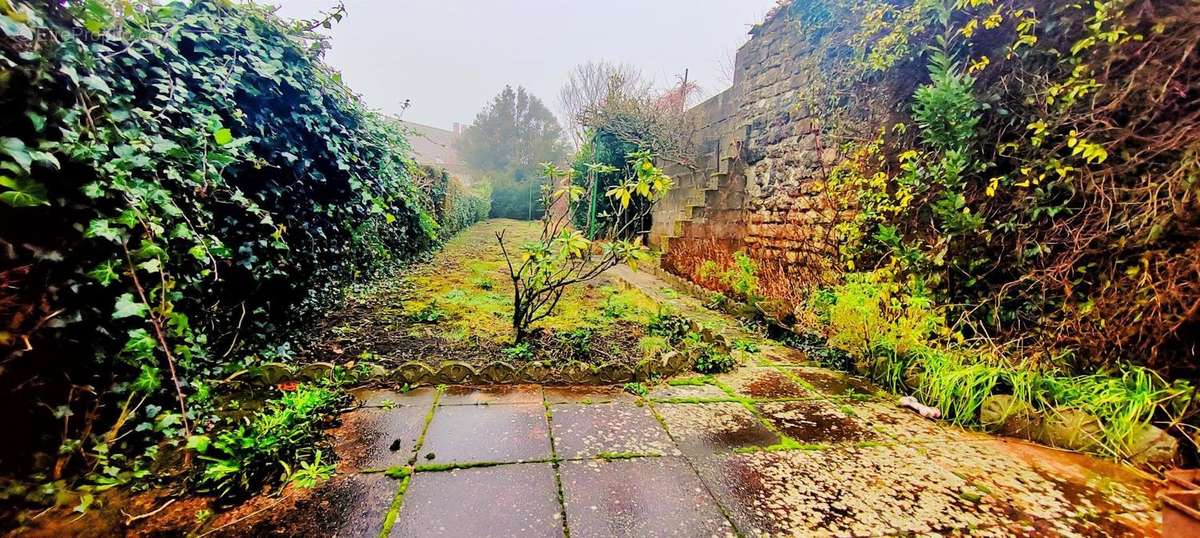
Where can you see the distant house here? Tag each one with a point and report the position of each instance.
(435, 147)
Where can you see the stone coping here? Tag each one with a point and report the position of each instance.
(497, 372)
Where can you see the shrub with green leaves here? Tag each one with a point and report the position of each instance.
(268, 446)
(188, 184)
(673, 327)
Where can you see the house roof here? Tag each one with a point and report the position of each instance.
(435, 147)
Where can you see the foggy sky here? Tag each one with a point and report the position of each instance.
(449, 57)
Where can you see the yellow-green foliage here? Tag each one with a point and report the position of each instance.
(470, 285)
(871, 309)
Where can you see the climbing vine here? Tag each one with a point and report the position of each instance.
(1034, 163)
(182, 184)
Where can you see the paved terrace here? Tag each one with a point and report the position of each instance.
(775, 450)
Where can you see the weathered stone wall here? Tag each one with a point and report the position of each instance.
(759, 185)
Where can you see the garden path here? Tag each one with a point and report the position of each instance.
(778, 447)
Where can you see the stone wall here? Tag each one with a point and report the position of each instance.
(759, 183)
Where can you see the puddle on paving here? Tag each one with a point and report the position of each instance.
(578, 394)
(347, 505)
(589, 430)
(833, 383)
(638, 497)
(764, 384)
(383, 397)
(841, 492)
(491, 394)
(378, 438)
(487, 433)
(508, 500)
(815, 421)
(715, 427)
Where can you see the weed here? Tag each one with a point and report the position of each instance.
(521, 351)
(745, 345)
(650, 346)
(240, 460)
(310, 473)
(670, 326)
(579, 341)
(716, 301)
(485, 284)
(430, 313)
(636, 389)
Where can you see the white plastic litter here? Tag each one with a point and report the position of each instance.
(920, 408)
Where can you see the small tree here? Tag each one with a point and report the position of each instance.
(562, 255)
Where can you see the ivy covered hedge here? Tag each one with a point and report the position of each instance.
(182, 185)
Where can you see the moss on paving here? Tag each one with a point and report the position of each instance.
(406, 472)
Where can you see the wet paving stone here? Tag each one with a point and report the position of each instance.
(592, 430)
(842, 492)
(385, 397)
(346, 505)
(503, 501)
(1047, 488)
(377, 437)
(837, 384)
(1134, 525)
(715, 427)
(764, 384)
(903, 425)
(586, 395)
(491, 395)
(816, 422)
(486, 433)
(783, 355)
(638, 497)
(666, 391)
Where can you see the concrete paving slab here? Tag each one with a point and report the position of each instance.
(350, 505)
(386, 397)
(836, 384)
(642, 497)
(1052, 489)
(586, 395)
(491, 395)
(621, 427)
(502, 502)
(666, 391)
(764, 384)
(486, 433)
(843, 492)
(901, 424)
(816, 422)
(716, 427)
(377, 437)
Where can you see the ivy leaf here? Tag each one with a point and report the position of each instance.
(140, 344)
(97, 84)
(93, 190)
(199, 443)
(101, 228)
(223, 136)
(127, 307)
(104, 273)
(15, 148)
(23, 192)
(12, 28)
(151, 266)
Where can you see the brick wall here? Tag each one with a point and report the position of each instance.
(759, 185)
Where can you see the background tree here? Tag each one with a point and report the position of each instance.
(507, 140)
